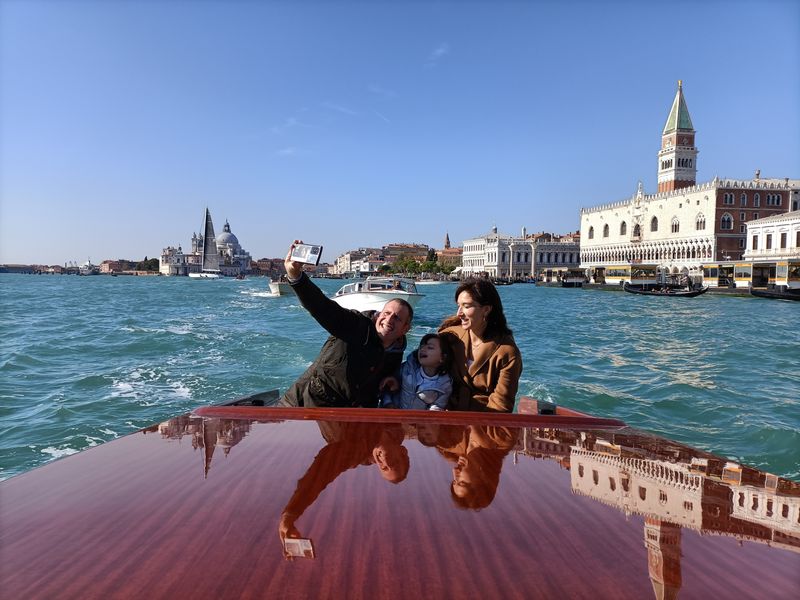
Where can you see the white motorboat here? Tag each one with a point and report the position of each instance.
(373, 292)
(281, 288)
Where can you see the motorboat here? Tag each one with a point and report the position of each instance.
(281, 288)
(373, 293)
(250, 501)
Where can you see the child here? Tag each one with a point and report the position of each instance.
(424, 382)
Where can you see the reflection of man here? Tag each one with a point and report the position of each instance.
(349, 446)
(362, 349)
(478, 452)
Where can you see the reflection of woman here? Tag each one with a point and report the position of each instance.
(477, 453)
(486, 361)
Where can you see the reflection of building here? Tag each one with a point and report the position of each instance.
(672, 486)
(233, 259)
(685, 225)
(206, 433)
(663, 542)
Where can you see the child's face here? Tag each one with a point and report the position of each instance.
(430, 354)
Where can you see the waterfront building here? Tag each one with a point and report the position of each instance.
(449, 257)
(685, 226)
(773, 251)
(233, 259)
(554, 255)
(497, 255)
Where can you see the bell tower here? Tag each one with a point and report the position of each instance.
(677, 159)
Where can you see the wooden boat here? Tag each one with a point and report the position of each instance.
(789, 294)
(251, 502)
(665, 291)
(373, 293)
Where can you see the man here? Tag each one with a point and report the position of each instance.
(362, 349)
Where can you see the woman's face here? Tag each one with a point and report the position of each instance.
(473, 315)
(462, 478)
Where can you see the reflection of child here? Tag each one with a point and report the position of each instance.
(424, 383)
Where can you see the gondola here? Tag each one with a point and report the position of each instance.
(665, 292)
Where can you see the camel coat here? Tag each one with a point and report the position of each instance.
(490, 383)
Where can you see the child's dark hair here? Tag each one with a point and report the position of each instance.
(447, 351)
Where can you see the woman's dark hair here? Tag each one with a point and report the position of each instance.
(447, 351)
(484, 293)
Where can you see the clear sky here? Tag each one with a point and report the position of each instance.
(363, 123)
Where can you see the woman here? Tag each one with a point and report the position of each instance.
(486, 361)
(477, 453)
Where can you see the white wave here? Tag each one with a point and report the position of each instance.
(180, 330)
(58, 452)
(180, 389)
(260, 294)
(108, 432)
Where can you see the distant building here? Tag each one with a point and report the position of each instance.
(554, 255)
(498, 256)
(449, 257)
(773, 250)
(233, 259)
(685, 225)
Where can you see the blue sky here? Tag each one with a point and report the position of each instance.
(364, 123)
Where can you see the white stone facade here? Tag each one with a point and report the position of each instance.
(774, 238)
(497, 255)
(683, 229)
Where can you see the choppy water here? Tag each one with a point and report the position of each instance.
(86, 359)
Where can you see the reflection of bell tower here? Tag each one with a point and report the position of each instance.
(677, 159)
(663, 543)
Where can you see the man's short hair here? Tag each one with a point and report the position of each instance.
(403, 303)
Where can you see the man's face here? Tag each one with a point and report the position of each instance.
(393, 322)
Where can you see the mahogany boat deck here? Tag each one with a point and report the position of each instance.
(550, 506)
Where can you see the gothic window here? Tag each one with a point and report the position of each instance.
(757, 200)
(623, 228)
(726, 223)
(744, 199)
(676, 225)
(637, 231)
(654, 224)
(591, 233)
(727, 198)
(605, 230)
(700, 222)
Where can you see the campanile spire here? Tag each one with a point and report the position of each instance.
(677, 159)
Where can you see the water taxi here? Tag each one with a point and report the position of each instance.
(246, 501)
(373, 293)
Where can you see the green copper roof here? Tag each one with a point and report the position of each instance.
(678, 115)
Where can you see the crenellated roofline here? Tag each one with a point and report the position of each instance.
(715, 184)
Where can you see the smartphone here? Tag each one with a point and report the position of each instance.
(307, 253)
(298, 547)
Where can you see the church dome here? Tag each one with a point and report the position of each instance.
(226, 237)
